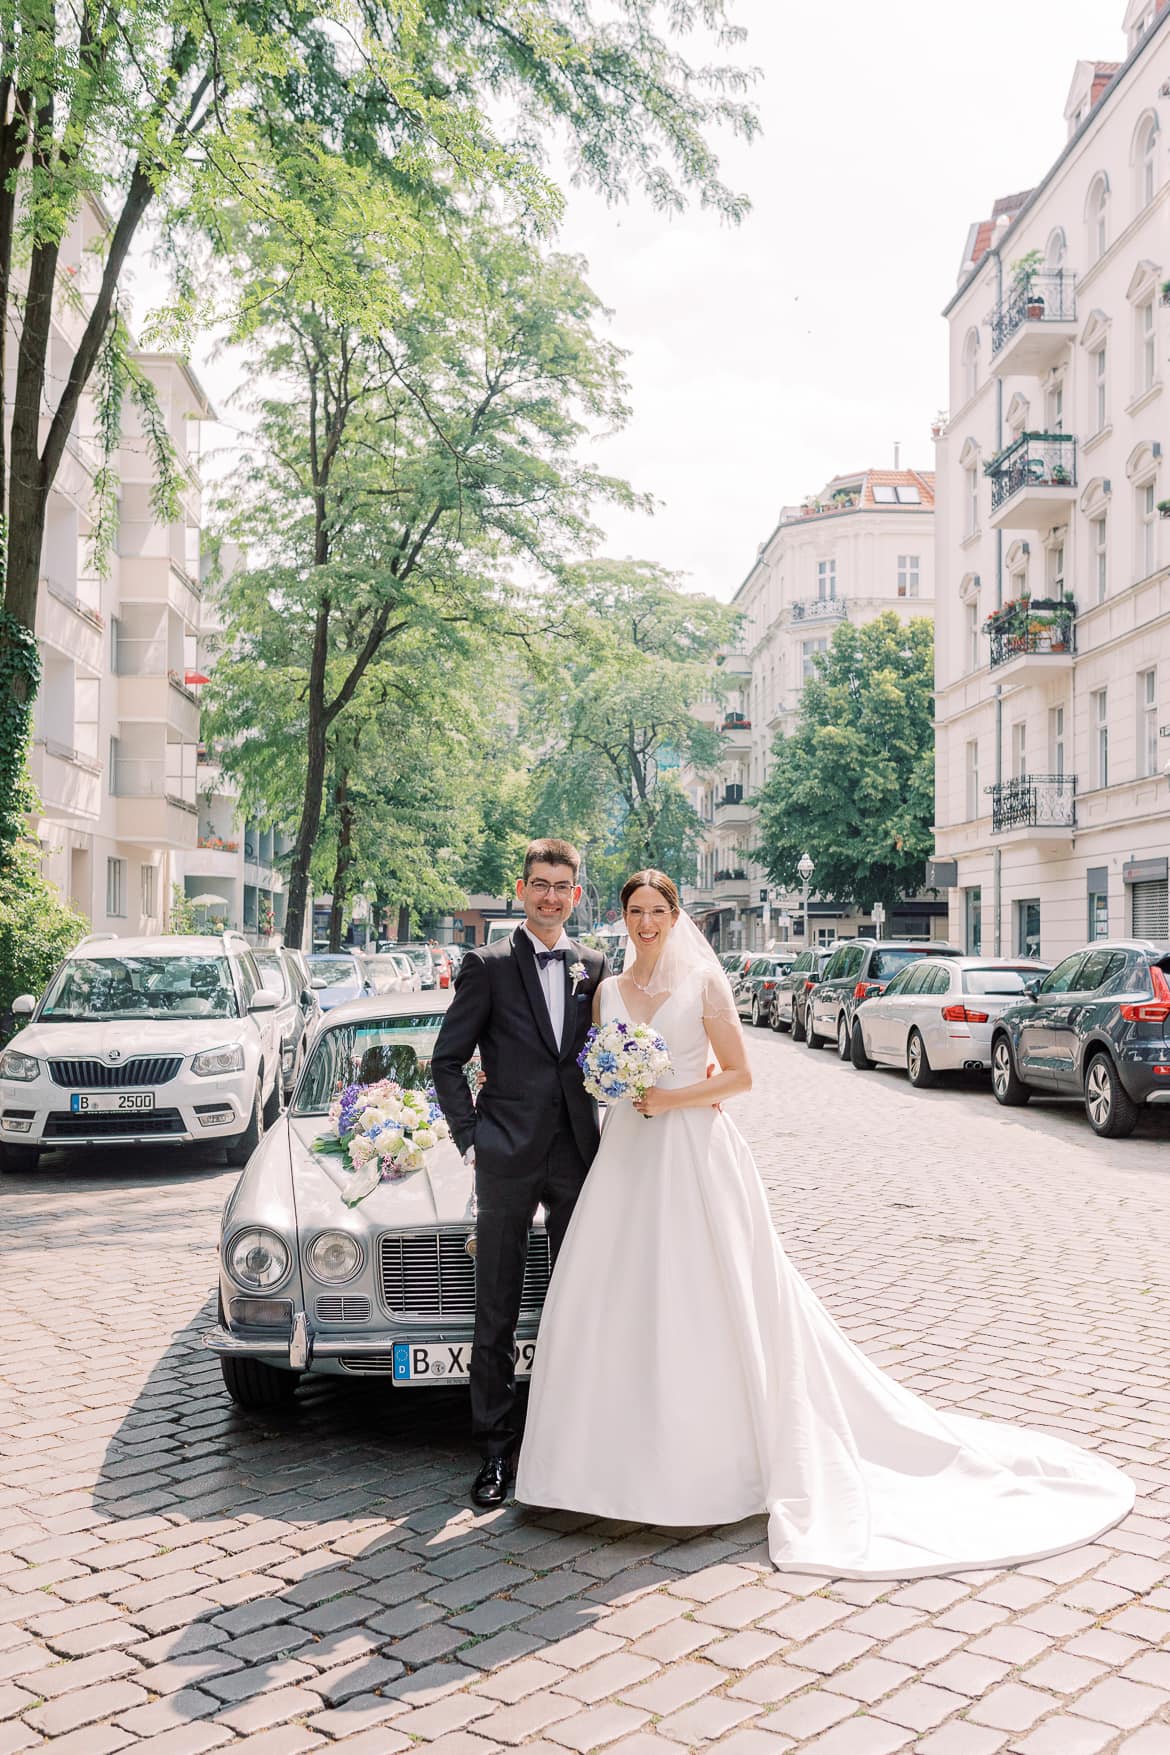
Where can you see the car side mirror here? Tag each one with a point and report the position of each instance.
(308, 998)
(318, 983)
(1032, 989)
(262, 1001)
(24, 1005)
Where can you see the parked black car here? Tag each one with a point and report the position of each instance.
(1098, 1028)
(791, 991)
(856, 971)
(753, 989)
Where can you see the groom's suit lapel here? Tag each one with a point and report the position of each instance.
(529, 974)
(572, 1001)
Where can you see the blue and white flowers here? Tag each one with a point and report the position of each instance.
(622, 1060)
(382, 1132)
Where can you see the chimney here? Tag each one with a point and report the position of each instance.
(897, 453)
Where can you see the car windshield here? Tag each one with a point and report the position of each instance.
(419, 955)
(373, 1048)
(271, 972)
(1001, 980)
(886, 963)
(336, 971)
(141, 987)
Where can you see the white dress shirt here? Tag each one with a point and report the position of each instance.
(552, 978)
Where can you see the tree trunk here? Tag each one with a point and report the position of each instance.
(343, 804)
(404, 923)
(314, 795)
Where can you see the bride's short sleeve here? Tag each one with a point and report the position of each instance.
(718, 1000)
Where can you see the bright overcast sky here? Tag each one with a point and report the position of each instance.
(767, 358)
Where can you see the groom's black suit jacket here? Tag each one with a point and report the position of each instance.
(500, 1008)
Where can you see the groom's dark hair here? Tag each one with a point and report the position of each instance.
(551, 852)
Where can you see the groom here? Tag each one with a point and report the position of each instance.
(526, 1004)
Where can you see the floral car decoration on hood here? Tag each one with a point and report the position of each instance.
(382, 1133)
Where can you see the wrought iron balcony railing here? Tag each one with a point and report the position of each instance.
(1034, 801)
(1034, 632)
(818, 609)
(1042, 298)
(1033, 460)
(731, 795)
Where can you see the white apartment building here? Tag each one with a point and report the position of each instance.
(116, 723)
(1053, 535)
(862, 546)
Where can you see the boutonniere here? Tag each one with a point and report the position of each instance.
(577, 973)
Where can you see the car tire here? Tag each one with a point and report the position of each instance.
(776, 1021)
(843, 1043)
(799, 1032)
(918, 1068)
(274, 1107)
(252, 1384)
(1007, 1086)
(755, 1012)
(857, 1054)
(811, 1039)
(19, 1160)
(241, 1148)
(1111, 1111)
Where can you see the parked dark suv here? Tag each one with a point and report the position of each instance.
(857, 971)
(792, 989)
(753, 989)
(1097, 1027)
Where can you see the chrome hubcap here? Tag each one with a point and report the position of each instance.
(915, 1057)
(842, 1040)
(1002, 1069)
(1097, 1093)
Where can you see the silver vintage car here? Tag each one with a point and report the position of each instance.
(383, 1289)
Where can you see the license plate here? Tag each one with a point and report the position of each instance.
(104, 1102)
(446, 1361)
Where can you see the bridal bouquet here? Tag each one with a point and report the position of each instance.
(622, 1060)
(382, 1132)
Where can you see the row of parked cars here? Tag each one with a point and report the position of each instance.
(1096, 1026)
(198, 1038)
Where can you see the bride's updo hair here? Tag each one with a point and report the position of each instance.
(652, 880)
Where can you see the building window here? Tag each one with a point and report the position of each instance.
(970, 364)
(974, 645)
(808, 656)
(1146, 543)
(1098, 215)
(149, 891)
(973, 921)
(1146, 373)
(1099, 734)
(972, 524)
(116, 888)
(1028, 927)
(1100, 389)
(972, 779)
(1020, 749)
(1054, 407)
(1146, 161)
(1100, 557)
(1056, 741)
(1098, 914)
(1054, 568)
(1147, 727)
(826, 580)
(908, 575)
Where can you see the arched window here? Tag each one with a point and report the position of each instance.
(1055, 252)
(1097, 216)
(970, 364)
(1145, 161)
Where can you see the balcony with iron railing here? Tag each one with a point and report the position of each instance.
(1033, 482)
(737, 734)
(817, 609)
(1035, 807)
(1033, 323)
(1030, 637)
(732, 810)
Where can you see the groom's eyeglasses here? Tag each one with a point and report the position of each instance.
(541, 887)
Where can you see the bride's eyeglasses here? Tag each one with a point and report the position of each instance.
(542, 887)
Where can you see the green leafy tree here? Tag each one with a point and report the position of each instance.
(324, 131)
(36, 927)
(853, 786)
(618, 710)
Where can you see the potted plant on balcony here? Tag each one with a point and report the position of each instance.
(1059, 475)
(1166, 292)
(1164, 508)
(1023, 271)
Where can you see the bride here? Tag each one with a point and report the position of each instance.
(687, 1375)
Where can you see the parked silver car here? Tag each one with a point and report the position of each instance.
(383, 1289)
(297, 1009)
(937, 1015)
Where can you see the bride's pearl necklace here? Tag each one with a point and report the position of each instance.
(640, 985)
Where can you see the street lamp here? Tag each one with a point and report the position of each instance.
(805, 869)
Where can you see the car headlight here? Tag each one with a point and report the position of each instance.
(258, 1259)
(334, 1256)
(219, 1060)
(14, 1065)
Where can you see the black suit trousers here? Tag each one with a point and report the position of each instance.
(507, 1204)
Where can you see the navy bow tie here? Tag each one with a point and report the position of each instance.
(544, 958)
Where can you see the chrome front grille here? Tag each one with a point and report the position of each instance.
(430, 1274)
(332, 1307)
(91, 1075)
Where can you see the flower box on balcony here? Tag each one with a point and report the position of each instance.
(737, 725)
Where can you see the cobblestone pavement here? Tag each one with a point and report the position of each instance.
(176, 1576)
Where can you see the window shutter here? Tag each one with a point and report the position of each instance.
(1151, 909)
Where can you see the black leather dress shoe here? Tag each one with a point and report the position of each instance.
(490, 1486)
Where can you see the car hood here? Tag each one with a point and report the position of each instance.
(127, 1040)
(438, 1194)
(328, 997)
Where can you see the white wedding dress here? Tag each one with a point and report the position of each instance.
(687, 1375)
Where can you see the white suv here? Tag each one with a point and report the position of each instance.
(138, 1041)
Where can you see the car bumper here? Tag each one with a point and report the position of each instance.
(186, 1110)
(962, 1047)
(1137, 1073)
(330, 1352)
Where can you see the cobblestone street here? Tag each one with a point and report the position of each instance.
(176, 1576)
